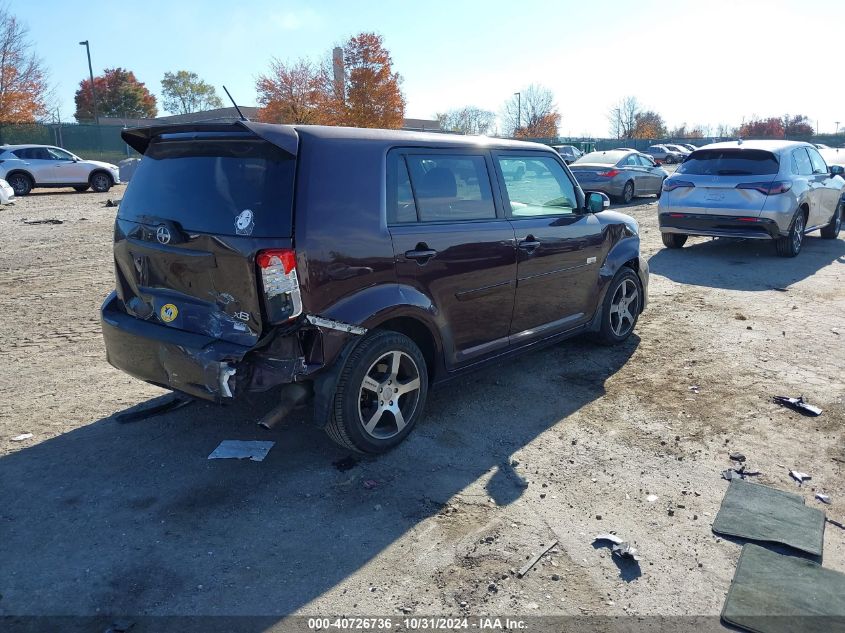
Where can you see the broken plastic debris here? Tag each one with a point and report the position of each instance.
(239, 449)
(823, 498)
(737, 457)
(798, 404)
(799, 476)
(22, 437)
(331, 324)
(694, 388)
(739, 473)
(620, 547)
(176, 402)
(48, 221)
(651, 498)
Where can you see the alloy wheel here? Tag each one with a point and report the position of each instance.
(624, 305)
(798, 232)
(389, 395)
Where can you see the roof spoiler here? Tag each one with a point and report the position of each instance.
(282, 136)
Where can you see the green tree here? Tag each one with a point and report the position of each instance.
(119, 94)
(183, 92)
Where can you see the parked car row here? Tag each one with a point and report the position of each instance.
(26, 167)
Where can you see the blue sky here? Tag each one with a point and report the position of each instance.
(695, 62)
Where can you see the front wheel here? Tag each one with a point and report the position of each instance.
(790, 244)
(100, 182)
(621, 307)
(831, 231)
(380, 393)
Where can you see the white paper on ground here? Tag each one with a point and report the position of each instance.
(240, 449)
(22, 437)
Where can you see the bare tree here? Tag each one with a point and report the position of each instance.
(623, 117)
(23, 79)
(467, 120)
(532, 114)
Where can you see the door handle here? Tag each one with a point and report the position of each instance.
(422, 253)
(529, 244)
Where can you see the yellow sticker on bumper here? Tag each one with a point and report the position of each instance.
(168, 312)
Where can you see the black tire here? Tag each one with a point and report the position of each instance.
(100, 181)
(615, 328)
(669, 160)
(790, 244)
(21, 183)
(831, 231)
(627, 192)
(81, 188)
(673, 240)
(353, 400)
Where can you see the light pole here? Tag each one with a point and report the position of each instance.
(518, 96)
(837, 126)
(91, 73)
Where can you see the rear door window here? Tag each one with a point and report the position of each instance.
(801, 164)
(225, 186)
(730, 162)
(445, 188)
(542, 191)
(819, 166)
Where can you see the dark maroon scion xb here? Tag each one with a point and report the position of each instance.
(353, 267)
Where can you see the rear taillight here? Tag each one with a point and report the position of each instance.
(610, 173)
(767, 188)
(281, 284)
(670, 184)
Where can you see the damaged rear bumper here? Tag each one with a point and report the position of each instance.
(198, 365)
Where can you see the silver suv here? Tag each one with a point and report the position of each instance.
(762, 190)
(26, 167)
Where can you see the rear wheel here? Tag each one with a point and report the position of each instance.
(673, 240)
(100, 182)
(621, 307)
(790, 245)
(831, 231)
(20, 183)
(380, 394)
(81, 188)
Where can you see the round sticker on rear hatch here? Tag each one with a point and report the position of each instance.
(244, 222)
(168, 312)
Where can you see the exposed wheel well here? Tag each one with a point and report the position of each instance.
(417, 332)
(806, 210)
(100, 171)
(21, 172)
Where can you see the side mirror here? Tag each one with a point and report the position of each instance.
(837, 170)
(596, 201)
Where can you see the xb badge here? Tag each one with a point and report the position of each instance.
(168, 312)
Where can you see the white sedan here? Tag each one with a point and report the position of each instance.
(26, 167)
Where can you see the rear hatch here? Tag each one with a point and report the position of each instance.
(732, 181)
(190, 225)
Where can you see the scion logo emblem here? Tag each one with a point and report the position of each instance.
(163, 234)
(168, 312)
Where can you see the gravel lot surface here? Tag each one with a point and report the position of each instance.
(102, 517)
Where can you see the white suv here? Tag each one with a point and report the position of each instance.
(25, 167)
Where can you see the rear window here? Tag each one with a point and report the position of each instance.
(239, 186)
(730, 162)
(602, 158)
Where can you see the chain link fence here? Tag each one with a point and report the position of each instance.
(92, 142)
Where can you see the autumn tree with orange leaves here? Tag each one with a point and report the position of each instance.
(531, 115)
(119, 94)
(291, 93)
(23, 79)
(367, 94)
